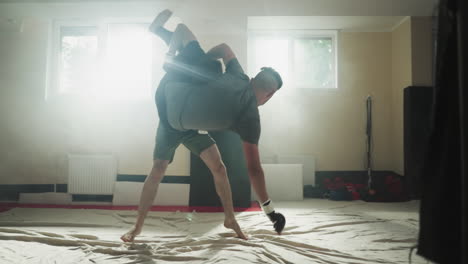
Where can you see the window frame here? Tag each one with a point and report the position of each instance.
(54, 50)
(292, 35)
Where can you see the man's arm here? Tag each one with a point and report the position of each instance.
(257, 179)
(222, 51)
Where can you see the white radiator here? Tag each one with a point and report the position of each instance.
(91, 174)
(284, 182)
(307, 161)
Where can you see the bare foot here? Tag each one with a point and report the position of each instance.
(160, 20)
(130, 235)
(232, 224)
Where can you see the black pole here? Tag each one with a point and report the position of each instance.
(462, 25)
(369, 142)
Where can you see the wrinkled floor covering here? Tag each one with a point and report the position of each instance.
(318, 231)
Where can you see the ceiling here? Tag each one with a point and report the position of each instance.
(344, 23)
(211, 15)
(266, 7)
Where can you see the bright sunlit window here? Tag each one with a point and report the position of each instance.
(305, 59)
(102, 61)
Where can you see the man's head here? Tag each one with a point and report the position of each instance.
(265, 84)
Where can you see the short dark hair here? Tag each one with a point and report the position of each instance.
(273, 73)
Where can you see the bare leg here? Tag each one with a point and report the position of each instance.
(148, 194)
(157, 26)
(212, 159)
(175, 40)
(180, 38)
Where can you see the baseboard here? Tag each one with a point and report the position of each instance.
(10, 192)
(350, 176)
(92, 198)
(254, 207)
(166, 179)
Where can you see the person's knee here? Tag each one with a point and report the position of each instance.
(158, 170)
(213, 160)
(219, 169)
(185, 34)
(181, 27)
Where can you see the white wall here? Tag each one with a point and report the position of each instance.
(36, 135)
(411, 65)
(330, 124)
(401, 78)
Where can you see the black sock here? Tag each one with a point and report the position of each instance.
(164, 34)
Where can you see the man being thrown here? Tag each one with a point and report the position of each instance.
(194, 97)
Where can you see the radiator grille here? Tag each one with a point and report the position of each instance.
(91, 174)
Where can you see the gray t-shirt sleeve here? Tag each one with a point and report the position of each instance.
(233, 67)
(249, 131)
(248, 126)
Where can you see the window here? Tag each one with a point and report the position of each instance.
(101, 60)
(78, 62)
(305, 59)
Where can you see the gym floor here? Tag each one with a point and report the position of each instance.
(317, 231)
